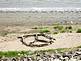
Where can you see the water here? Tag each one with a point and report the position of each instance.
(39, 3)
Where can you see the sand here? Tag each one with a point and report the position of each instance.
(63, 40)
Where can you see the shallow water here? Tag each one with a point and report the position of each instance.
(40, 3)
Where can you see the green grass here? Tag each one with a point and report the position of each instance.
(59, 27)
(14, 53)
(55, 32)
(33, 53)
(63, 31)
(58, 50)
(78, 46)
(79, 31)
(69, 27)
(22, 53)
(44, 31)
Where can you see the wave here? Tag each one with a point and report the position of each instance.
(40, 9)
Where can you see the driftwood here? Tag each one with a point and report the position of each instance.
(31, 44)
(40, 34)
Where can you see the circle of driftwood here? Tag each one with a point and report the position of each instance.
(31, 44)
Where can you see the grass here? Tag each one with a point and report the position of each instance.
(31, 53)
(3, 33)
(55, 32)
(44, 31)
(59, 27)
(78, 46)
(63, 31)
(60, 50)
(79, 31)
(69, 27)
(15, 53)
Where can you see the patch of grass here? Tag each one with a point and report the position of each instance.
(63, 31)
(3, 33)
(34, 28)
(14, 53)
(40, 27)
(62, 50)
(59, 50)
(33, 53)
(69, 27)
(59, 27)
(79, 31)
(8, 54)
(22, 53)
(44, 31)
(78, 46)
(55, 33)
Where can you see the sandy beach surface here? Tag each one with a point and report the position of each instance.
(63, 40)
